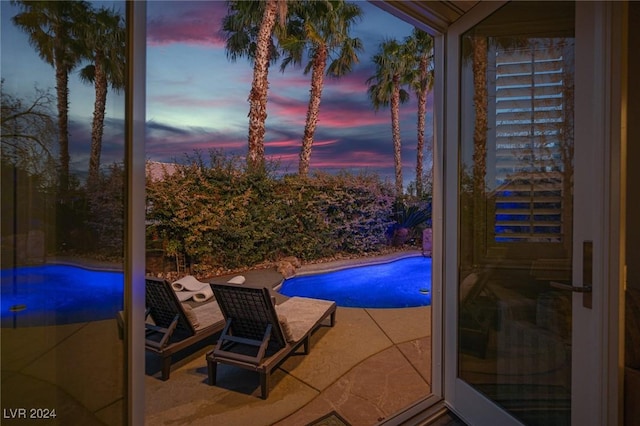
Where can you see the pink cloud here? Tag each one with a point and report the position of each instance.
(284, 159)
(345, 118)
(190, 143)
(325, 143)
(332, 114)
(286, 109)
(294, 79)
(291, 79)
(350, 83)
(196, 23)
(283, 143)
(349, 160)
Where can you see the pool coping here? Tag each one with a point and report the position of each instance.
(94, 265)
(318, 268)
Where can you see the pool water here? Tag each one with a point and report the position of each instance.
(58, 294)
(399, 284)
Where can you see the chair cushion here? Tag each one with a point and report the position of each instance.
(302, 314)
(286, 329)
(553, 312)
(191, 316)
(467, 284)
(208, 314)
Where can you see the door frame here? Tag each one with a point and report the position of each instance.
(461, 398)
(600, 32)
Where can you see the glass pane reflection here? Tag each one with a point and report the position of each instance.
(516, 210)
(63, 211)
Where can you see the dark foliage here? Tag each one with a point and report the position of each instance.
(222, 216)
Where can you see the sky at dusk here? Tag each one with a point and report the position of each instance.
(197, 98)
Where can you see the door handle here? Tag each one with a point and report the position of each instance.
(587, 277)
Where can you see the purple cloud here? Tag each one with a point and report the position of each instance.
(189, 22)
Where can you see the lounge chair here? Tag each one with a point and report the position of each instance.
(477, 313)
(258, 335)
(176, 326)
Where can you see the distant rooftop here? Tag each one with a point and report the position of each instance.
(156, 170)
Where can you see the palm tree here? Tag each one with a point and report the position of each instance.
(104, 37)
(249, 28)
(393, 65)
(321, 28)
(48, 24)
(421, 44)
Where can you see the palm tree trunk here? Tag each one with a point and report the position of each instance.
(259, 87)
(567, 155)
(422, 112)
(395, 129)
(97, 129)
(317, 82)
(480, 103)
(62, 91)
(480, 100)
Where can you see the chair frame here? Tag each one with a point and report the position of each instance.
(252, 325)
(172, 331)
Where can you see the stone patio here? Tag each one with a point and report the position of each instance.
(371, 365)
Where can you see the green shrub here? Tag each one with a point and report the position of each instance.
(219, 214)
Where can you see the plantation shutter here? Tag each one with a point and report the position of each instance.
(533, 114)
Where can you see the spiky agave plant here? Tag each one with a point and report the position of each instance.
(407, 220)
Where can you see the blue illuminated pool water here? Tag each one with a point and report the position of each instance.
(58, 294)
(400, 284)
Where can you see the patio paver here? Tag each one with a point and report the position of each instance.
(353, 368)
(370, 365)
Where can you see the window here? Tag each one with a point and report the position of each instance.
(532, 106)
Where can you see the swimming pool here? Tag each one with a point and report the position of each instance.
(399, 284)
(58, 294)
